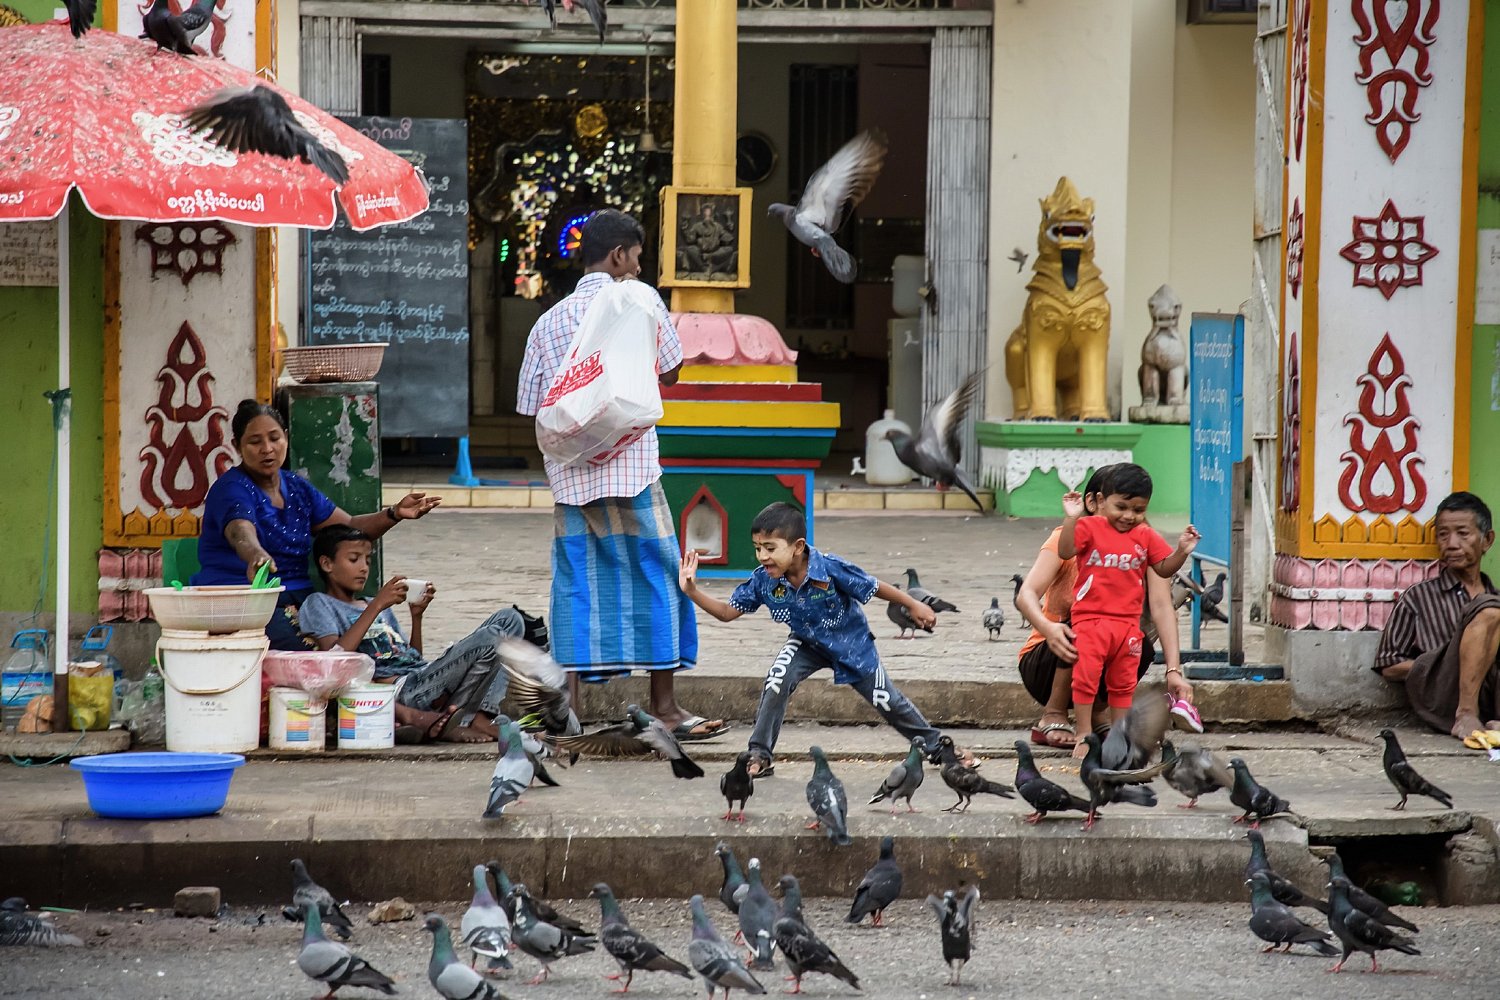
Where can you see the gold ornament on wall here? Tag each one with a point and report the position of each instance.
(590, 121)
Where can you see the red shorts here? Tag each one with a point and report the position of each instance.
(1109, 650)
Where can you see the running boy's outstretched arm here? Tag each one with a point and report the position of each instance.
(1067, 546)
(920, 613)
(687, 579)
(1186, 543)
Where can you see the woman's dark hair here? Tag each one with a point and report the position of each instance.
(1461, 503)
(1130, 481)
(605, 230)
(248, 410)
(780, 520)
(327, 542)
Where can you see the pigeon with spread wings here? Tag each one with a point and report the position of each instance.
(831, 195)
(259, 120)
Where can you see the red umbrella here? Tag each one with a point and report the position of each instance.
(104, 114)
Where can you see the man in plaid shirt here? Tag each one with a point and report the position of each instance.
(615, 604)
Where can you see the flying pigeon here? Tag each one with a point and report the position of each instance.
(628, 946)
(305, 891)
(451, 978)
(803, 950)
(259, 120)
(639, 734)
(537, 752)
(1132, 741)
(993, 619)
(1275, 923)
(594, 9)
(538, 686)
(331, 963)
(1193, 771)
(965, 781)
(1255, 799)
(1283, 890)
(513, 771)
(832, 193)
(1211, 598)
(880, 887)
(544, 910)
(543, 941)
(737, 786)
(1363, 901)
(714, 959)
(80, 15)
(955, 918)
(898, 613)
(732, 892)
(1043, 795)
(904, 779)
(17, 927)
(1108, 785)
(1405, 777)
(757, 916)
(935, 451)
(830, 805)
(485, 927)
(1358, 930)
(1019, 256)
(172, 31)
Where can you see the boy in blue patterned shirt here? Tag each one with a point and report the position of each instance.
(818, 597)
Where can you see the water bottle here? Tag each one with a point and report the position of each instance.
(27, 674)
(95, 646)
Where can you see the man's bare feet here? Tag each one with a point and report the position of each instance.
(1465, 723)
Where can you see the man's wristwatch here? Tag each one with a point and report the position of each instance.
(390, 512)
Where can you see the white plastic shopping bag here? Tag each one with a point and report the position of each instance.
(606, 394)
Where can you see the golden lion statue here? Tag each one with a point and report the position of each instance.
(1062, 344)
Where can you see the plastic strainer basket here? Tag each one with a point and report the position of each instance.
(215, 610)
(334, 362)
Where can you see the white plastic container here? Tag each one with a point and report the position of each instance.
(212, 689)
(908, 271)
(367, 717)
(882, 467)
(297, 721)
(216, 610)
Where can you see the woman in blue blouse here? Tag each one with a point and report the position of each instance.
(257, 513)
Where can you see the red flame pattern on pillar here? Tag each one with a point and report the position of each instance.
(1302, 21)
(176, 473)
(1294, 248)
(1378, 476)
(1291, 430)
(1393, 88)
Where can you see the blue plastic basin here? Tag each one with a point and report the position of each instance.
(157, 785)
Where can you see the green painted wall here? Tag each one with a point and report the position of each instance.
(39, 11)
(1164, 451)
(28, 330)
(1484, 471)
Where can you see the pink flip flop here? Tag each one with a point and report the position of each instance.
(1185, 716)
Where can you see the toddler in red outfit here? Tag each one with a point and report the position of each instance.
(1114, 548)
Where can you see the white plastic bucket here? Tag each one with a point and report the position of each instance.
(296, 721)
(212, 689)
(367, 717)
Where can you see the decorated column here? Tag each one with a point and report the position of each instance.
(1377, 300)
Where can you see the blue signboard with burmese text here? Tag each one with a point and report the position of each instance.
(1217, 390)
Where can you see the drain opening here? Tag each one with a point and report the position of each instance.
(1400, 870)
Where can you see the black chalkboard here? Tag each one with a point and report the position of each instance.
(406, 284)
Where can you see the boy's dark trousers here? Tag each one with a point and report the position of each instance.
(799, 660)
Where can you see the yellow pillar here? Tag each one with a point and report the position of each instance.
(707, 77)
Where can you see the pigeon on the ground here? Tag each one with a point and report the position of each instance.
(714, 959)
(1274, 922)
(543, 941)
(176, 31)
(1211, 598)
(1405, 777)
(627, 946)
(1108, 785)
(544, 910)
(1193, 771)
(331, 963)
(879, 888)
(905, 778)
(259, 120)
(1043, 795)
(513, 771)
(830, 805)
(1365, 902)
(737, 786)
(1132, 741)
(1254, 798)
(993, 619)
(18, 927)
(955, 919)
(1016, 580)
(639, 734)
(539, 753)
(936, 450)
(803, 950)
(1358, 930)
(80, 15)
(965, 781)
(538, 686)
(831, 194)
(594, 9)
(485, 927)
(305, 891)
(732, 892)
(898, 613)
(757, 917)
(1282, 889)
(451, 978)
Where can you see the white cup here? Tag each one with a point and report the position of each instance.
(415, 589)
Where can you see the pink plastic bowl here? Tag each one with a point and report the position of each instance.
(321, 674)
